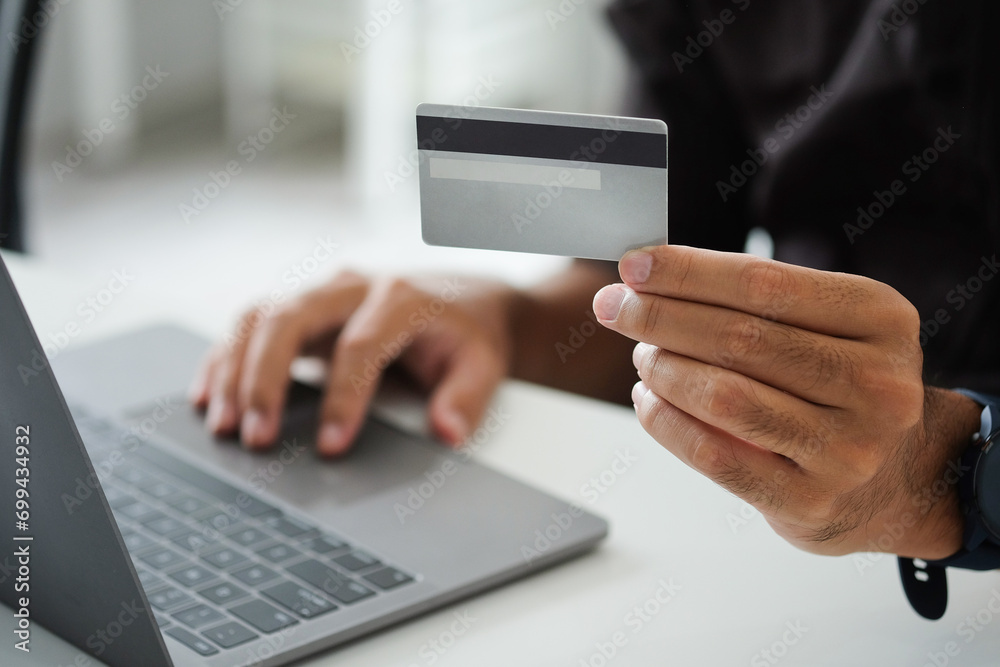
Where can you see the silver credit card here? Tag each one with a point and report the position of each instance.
(541, 182)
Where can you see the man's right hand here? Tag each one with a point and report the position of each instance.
(452, 336)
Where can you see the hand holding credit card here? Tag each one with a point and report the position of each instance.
(541, 182)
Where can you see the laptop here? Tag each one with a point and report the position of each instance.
(134, 535)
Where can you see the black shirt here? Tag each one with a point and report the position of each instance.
(862, 134)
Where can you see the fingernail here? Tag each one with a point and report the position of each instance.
(221, 416)
(331, 439)
(455, 426)
(255, 430)
(608, 302)
(196, 392)
(639, 392)
(636, 267)
(639, 354)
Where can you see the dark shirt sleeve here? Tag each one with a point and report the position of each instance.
(703, 124)
(881, 139)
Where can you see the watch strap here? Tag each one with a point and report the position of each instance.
(925, 582)
(926, 587)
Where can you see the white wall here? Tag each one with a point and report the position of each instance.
(551, 54)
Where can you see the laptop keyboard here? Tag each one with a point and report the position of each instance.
(220, 566)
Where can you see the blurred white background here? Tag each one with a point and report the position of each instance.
(162, 96)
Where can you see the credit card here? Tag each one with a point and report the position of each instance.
(540, 181)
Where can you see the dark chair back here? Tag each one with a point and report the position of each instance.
(21, 24)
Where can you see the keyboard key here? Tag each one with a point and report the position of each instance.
(165, 526)
(388, 577)
(255, 574)
(161, 489)
(163, 558)
(248, 537)
(198, 616)
(223, 593)
(161, 621)
(356, 560)
(150, 517)
(169, 598)
(225, 559)
(195, 540)
(277, 553)
(192, 576)
(186, 504)
(117, 498)
(325, 544)
(137, 542)
(330, 581)
(147, 578)
(263, 616)
(135, 476)
(220, 521)
(299, 599)
(230, 634)
(139, 512)
(288, 526)
(192, 641)
(207, 483)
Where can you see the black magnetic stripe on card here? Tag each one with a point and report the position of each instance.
(553, 142)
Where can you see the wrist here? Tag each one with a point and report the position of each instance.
(950, 421)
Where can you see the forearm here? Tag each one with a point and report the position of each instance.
(557, 341)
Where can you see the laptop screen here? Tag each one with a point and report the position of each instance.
(62, 561)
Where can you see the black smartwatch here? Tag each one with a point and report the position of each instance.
(925, 582)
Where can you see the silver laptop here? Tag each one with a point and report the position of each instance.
(148, 542)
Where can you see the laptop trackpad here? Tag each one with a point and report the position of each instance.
(383, 457)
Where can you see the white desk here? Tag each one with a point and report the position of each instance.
(741, 588)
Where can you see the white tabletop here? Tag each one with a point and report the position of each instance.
(690, 575)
